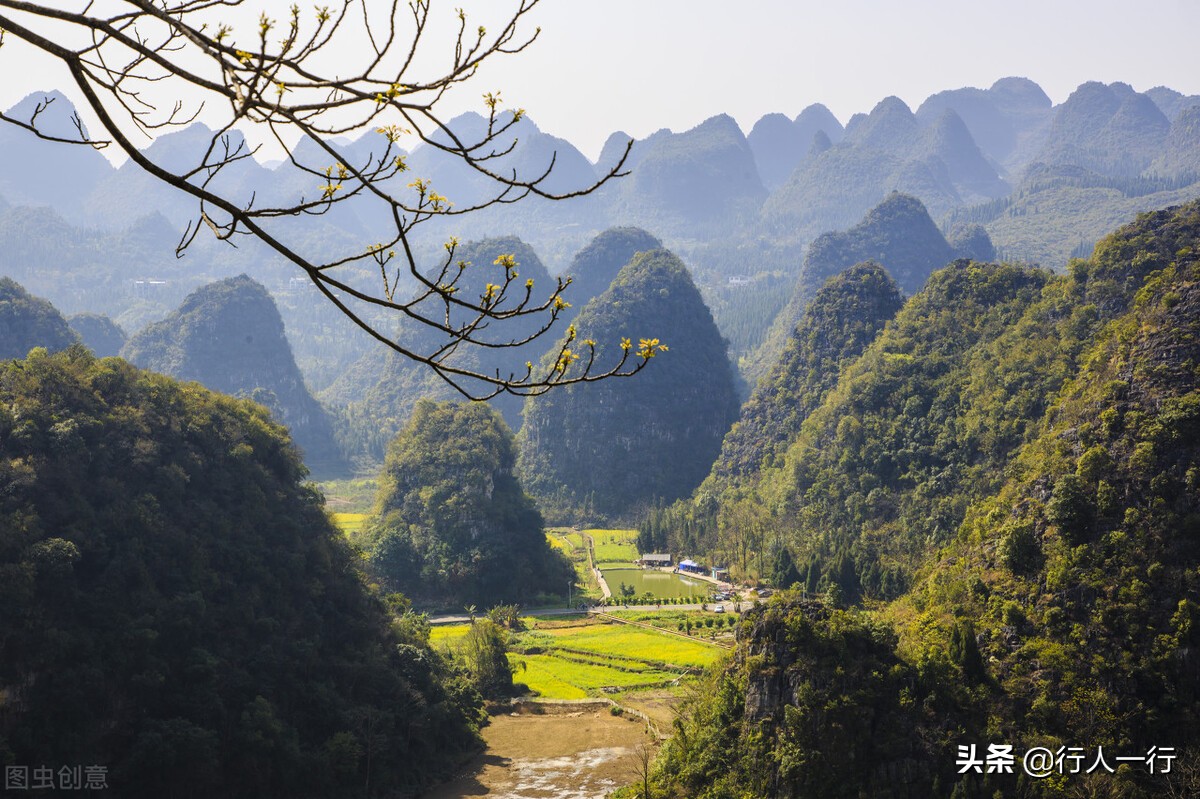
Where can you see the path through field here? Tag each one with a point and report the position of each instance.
(582, 754)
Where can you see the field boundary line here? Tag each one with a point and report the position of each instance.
(590, 547)
(677, 634)
(594, 702)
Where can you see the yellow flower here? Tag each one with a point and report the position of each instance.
(649, 347)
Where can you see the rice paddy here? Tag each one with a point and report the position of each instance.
(582, 658)
(578, 657)
(626, 643)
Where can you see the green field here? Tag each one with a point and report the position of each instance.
(577, 658)
(447, 633)
(671, 619)
(614, 547)
(350, 523)
(625, 643)
(349, 496)
(572, 545)
(558, 677)
(561, 542)
(660, 584)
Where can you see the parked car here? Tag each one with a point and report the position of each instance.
(719, 609)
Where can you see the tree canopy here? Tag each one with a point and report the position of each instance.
(179, 607)
(452, 524)
(609, 448)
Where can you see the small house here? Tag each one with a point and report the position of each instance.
(655, 559)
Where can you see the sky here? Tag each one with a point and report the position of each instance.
(601, 66)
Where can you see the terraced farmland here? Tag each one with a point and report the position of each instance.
(625, 644)
(581, 658)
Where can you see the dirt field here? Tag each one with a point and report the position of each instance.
(581, 754)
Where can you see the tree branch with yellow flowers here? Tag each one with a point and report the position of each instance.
(146, 67)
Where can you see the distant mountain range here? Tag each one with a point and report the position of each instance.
(760, 219)
(789, 177)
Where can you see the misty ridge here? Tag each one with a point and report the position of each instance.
(1040, 182)
(922, 387)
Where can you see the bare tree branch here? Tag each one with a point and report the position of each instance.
(145, 67)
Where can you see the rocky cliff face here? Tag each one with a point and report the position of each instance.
(814, 703)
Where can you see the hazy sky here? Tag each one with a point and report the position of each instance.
(639, 65)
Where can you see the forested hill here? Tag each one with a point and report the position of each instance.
(1025, 494)
(842, 320)
(27, 322)
(898, 234)
(179, 608)
(1080, 575)
(844, 317)
(379, 391)
(102, 335)
(611, 447)
(452, 526)
(229, 336)
(595, 267)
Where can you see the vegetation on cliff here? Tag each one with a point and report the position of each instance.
(179, 608)
(27, 321)
(229, 336)
(614, 447)
(452, 525)
(1025, 493)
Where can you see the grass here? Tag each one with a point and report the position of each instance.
(572, 545)
(349, 496)
(614, 547)
(628, 643)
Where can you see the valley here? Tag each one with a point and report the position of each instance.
(363, 440)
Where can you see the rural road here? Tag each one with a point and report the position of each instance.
(730, 607)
